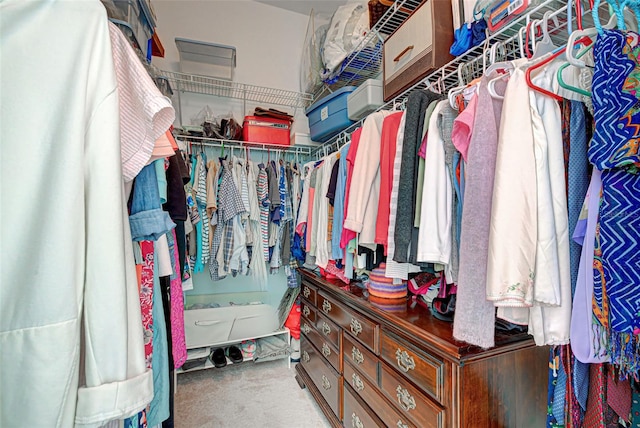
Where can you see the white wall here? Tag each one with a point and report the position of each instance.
(268, 43)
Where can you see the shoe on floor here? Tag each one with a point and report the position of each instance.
(235, 354)
(218, 358)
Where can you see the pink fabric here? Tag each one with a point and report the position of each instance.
(422, 152)
(462, 126)
(145, 114)
(387, 156)
(146, 298)
(348, 235)
(178, 341)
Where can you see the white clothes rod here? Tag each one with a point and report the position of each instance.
(234, 144)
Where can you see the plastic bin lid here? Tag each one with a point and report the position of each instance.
(328, 98)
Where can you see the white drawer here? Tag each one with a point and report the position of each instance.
(411, 41)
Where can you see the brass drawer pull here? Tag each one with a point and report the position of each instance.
(306, 292)
(306, 311)
(305, 328)
(401, 54)
(357, 383)
(326, 307)
(356, 327)
(326, 351)
(305, 356)
(356, 422)
(401, 424)
(325, 382)
(406, 401)
(326, 329)
(405, 361)
(357, 356)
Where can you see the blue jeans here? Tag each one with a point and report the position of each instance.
(147, 219)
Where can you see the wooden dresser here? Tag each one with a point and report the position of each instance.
(397, 366)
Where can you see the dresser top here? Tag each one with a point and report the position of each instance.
(413, 321)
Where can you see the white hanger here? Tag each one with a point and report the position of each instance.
(545, 45)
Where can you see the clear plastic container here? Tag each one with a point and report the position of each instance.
(131, 14)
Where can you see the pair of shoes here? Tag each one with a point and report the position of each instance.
(218, 358)
(235, 354)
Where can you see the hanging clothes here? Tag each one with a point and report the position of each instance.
(514, 222)
(230, 205)
(417, 104)
(614, 151)
(475, 315)
(90, 270)
(365, 185)
(388, 141)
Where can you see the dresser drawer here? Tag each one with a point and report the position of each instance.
(425, 370)
(355, 353)
(411, 40)
(360, 327)
(325, 378)
(420, 45)
(309, 292)
(356, 413)
(371, 395)
(328, 330)
(412, 404)
(308, 311)
(325, 347)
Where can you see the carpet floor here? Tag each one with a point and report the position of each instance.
(264, 395)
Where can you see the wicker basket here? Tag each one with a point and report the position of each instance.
(377, 9)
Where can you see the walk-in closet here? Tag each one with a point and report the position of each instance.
(313, 214)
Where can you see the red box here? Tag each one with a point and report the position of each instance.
(256, 129)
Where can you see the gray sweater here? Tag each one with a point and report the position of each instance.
(414, 122)
(475, 316)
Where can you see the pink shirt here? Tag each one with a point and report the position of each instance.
(462, 126)
(348, 235)
(387, 156)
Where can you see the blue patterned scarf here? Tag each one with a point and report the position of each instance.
(614, 151)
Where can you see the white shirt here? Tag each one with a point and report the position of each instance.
(67, 267)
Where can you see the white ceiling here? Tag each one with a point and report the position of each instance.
(321, 7)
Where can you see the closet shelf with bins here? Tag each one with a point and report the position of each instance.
(365, 62)
(503, 45)
(206, 85)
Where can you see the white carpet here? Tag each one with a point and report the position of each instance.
(245, 395)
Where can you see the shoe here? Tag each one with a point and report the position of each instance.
(218, 358)
(235, 354)
(192, 364)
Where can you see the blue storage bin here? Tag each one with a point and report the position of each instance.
(328, 116)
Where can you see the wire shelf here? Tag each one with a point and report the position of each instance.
(504, 45)
(365, 62)
(185, 82)
(235, 144)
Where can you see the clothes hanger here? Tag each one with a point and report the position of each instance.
(588, 33)
(545, 45)
(565, 85)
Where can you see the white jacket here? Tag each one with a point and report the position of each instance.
(365, 182)
(67, 272)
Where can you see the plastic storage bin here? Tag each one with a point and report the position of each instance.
(135, 17)
(266, 130)
(367, 98)
(329, 116)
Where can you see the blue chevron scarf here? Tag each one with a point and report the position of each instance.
(614, 151)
